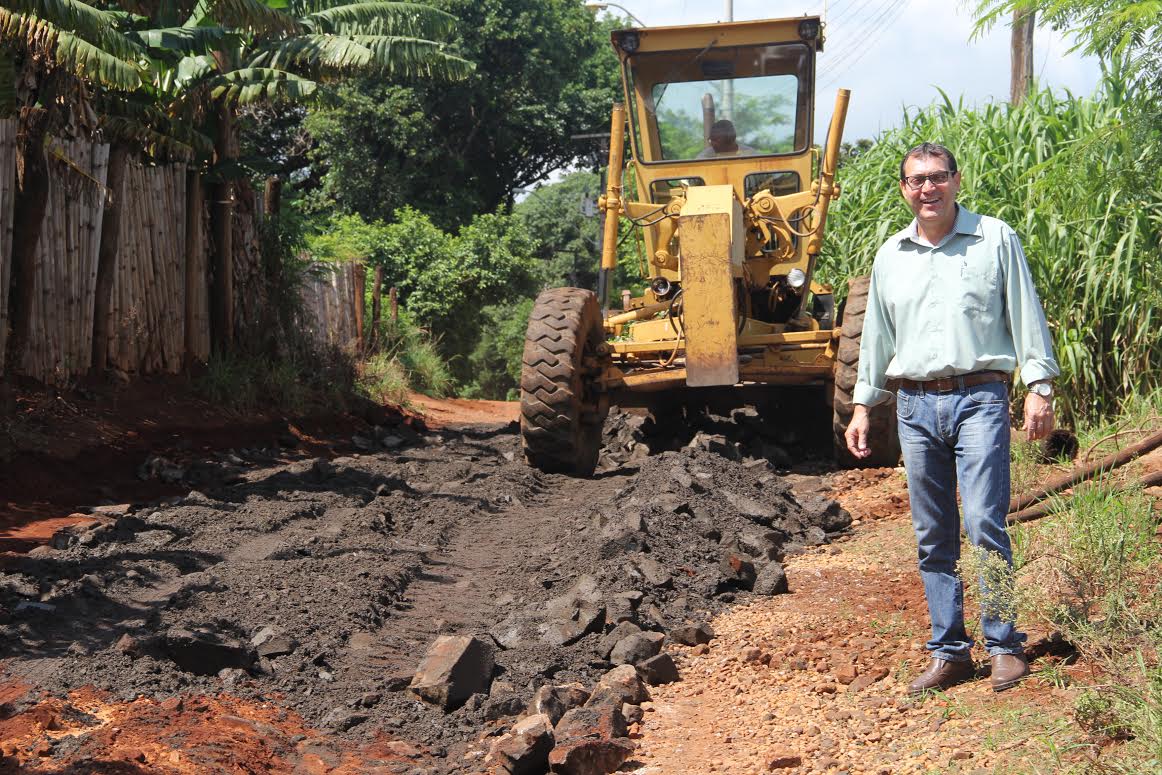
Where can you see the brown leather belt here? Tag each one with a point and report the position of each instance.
(946, 384)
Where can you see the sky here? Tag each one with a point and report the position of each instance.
(895, 53)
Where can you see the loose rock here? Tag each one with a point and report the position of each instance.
(658, 670)
(455, 668)
(692, 634)
(523, 750)
(637, 647)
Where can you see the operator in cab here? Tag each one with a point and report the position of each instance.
(724, 142)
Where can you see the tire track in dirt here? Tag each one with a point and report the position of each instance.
(467, 580)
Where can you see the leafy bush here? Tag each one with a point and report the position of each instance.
(1095, 256)
(382, 378)
(496, 360)
(444, 282)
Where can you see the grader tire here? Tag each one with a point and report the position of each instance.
(560, 414)
(883, 437)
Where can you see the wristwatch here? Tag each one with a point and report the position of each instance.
(1043, 389)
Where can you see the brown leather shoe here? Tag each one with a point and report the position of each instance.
(941, 674)
(1008, 671)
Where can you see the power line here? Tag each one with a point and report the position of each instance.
(887, 22)
(873, 37)
(851, 13)
(867, 30)
(861, 35)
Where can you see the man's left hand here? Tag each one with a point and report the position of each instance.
(1038, 416)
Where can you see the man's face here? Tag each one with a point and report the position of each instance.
(723, 141)
(930, 202)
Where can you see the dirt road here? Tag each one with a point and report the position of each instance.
(270, 617)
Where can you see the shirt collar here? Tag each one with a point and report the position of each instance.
(967, 222)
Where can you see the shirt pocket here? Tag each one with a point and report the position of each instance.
(977, 284)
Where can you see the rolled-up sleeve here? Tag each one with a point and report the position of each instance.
(1026, 318)
(876, 348)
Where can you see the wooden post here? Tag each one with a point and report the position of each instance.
(1021, 60)
(360, 288)
(394, 305)
(195, 201)
(272, 197)
(376, 303)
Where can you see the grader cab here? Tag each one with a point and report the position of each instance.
(731, 199)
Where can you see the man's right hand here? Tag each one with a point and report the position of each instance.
(857, 433)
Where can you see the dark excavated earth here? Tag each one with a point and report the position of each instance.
(319, 584)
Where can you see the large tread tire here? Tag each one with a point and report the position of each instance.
(561, 416)
(884, 436)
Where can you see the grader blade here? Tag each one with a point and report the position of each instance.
(711, 228)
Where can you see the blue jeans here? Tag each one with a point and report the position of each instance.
(957, 436)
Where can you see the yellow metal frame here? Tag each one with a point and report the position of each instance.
(649, 352)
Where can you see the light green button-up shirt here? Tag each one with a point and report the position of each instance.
(966, 304)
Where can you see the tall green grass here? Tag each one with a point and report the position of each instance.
(1092, 239)
(405, 357)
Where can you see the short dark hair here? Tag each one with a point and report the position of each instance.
(925, 150)
(722, 127)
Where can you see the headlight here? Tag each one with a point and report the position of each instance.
(809, 29)
(797, 278)
(628, 42)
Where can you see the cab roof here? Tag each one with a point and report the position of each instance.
(641, 40)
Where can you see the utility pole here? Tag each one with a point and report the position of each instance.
(1021, 75)
(728, 84)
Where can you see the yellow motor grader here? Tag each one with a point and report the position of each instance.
(732, 215)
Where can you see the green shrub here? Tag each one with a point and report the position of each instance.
(1090, 570)
(496, 360)
(414, 357)
(231, 382)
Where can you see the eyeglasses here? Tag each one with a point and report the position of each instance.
(916, 182)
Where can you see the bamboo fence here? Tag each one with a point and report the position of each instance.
(328, 308)
(151, 328)
(159, 311)
(147, 326)
(7, 198)
(65, 275)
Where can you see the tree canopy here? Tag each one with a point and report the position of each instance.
(544, 71)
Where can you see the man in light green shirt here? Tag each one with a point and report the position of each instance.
(951, 312)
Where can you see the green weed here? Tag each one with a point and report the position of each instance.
(296, 383)
(404, 358)
(230, 382)
(1024, 472)
(1091, 571)
(415, 350)
(383, 378)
